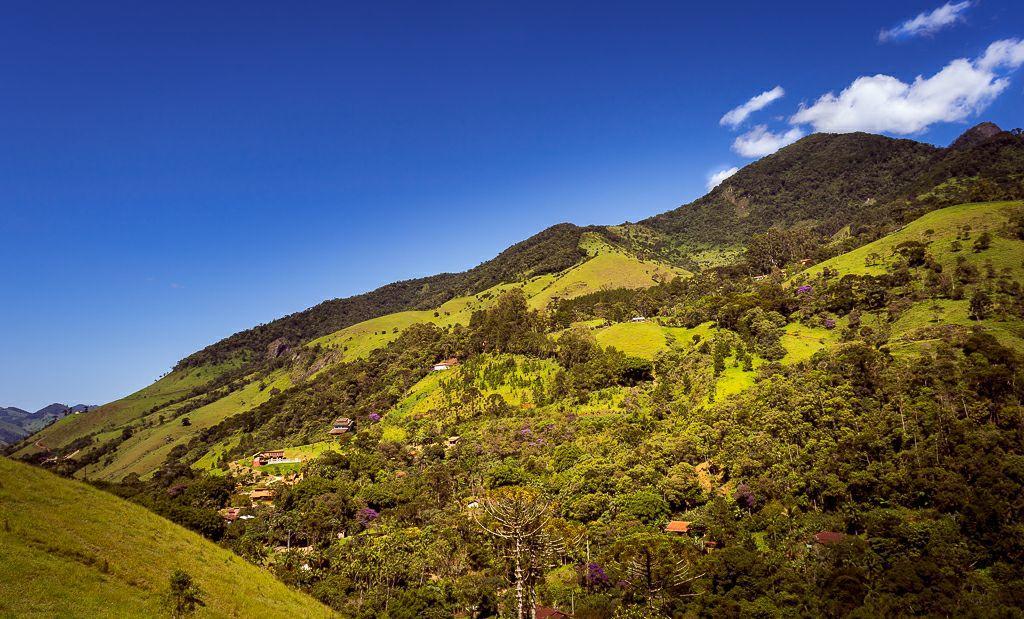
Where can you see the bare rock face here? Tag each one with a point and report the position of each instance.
(975, 135)
(277, 348)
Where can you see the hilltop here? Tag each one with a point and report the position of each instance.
(71, 550)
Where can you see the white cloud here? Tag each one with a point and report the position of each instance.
(884, 103)
(927, 23)
(715, 179)
(759, 141)
(737, 115)
(1004, 54)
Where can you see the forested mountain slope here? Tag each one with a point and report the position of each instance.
(826, 439)
(799, 395)
(136, 434)
(824, 181)
(67, 549)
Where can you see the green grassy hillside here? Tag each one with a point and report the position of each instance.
(70, 550)
(147, 448)
(607, 267)
(948, 236)
(765, 411)
(115, 415)
(134, 435)
(937, 230)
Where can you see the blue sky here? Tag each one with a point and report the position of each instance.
(172, 174)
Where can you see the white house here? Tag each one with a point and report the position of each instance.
(447, 364)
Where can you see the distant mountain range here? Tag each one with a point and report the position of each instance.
(17, 423)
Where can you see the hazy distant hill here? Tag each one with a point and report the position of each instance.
(16, 423)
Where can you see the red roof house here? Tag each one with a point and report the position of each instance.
(826, 538)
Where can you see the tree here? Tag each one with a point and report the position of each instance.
(981, 305)
(183, 596)
(983, 242)
(517, 517)
(577, 346)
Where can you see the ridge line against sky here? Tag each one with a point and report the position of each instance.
(174, 174)
(884, 104)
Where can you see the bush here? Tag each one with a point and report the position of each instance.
(183, 596)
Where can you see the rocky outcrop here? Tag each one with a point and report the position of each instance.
(277, 348)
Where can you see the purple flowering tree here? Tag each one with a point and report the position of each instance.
(595, 577)
(367, 515)
(745, 497)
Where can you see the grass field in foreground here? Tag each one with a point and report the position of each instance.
(70, 550)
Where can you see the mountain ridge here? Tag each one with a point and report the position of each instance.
(17, 423)
(877, 175)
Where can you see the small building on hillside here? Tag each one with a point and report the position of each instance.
(447, 364)
(638, 319)
(827, 538)
(679, 527)
(547, 612)
(342, 425)
(230, 514)
(272, 456)
(452, 441)
(761, 278)
(262, 495)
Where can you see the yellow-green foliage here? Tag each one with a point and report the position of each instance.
(298, 452)
(148, 447)
(734, 378)
(70, 550)
(433, 393)
(359, 340)
(910, 331)
(640, 339)
(111, 417)
(609, 267)
(937, 230)
(801, 341)
(208, 462)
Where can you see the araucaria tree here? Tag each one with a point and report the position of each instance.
(517, 518)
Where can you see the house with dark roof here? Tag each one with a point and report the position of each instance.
(342, 425)
(547, 612)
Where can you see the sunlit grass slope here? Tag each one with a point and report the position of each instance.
(70, 550)
(114, 415)
(146, 450)
(938, 229)
(607, 267)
